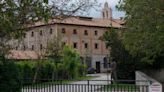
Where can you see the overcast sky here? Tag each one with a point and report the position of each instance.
(97, 13)
(112, 4)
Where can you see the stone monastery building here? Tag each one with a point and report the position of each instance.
(82, 33)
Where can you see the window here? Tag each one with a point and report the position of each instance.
(41, 46)
(24, 48)
(105, 64)
(86, 45)
(51, 31)
(75, 45)
(63, 30)
(96, 32)
(96, 46)
(32, 48)
(103, 15)
(41, 33)
(32, 34)
(106, 46)
(86, 32)
(74, 31)
(24, 35)
(88, 62)
(107, 14)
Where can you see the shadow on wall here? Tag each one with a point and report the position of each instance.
(158, 75)
(163, 86)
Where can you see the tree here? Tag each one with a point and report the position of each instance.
(113, 39)
(54, 51)
(17, 15)
(9, 77)
(71, 62)
(145, 29)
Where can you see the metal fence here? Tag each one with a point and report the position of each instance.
(83, 86)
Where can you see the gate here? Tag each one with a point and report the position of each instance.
(83, 86)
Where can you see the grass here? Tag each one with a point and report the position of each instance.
(85, 78)
(120, 87)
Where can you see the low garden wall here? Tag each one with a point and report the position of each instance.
(143, 79)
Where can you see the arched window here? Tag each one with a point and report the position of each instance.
(103, 15)
(32, 34)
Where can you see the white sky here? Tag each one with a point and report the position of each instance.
(112, 4)
(97, 13)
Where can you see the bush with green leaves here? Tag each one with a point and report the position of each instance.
(29, 68)
(9, 76)
(71, 62)
(69, 67)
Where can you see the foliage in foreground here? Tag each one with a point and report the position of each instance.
(9, 76)
(144, 36)
(70, 67)
(125, 61)
(141, 45)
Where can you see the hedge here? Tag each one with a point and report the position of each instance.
(9, 76)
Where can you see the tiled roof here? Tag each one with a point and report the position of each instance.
(14, 54)
(120, 21)
(84, 21)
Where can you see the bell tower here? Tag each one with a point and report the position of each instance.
(107, 11)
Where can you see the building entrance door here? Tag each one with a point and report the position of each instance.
(98, 67)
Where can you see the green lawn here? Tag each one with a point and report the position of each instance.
(120, 87)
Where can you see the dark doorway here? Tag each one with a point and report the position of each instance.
(98, 67)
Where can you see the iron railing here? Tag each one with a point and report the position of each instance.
(84, 86)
